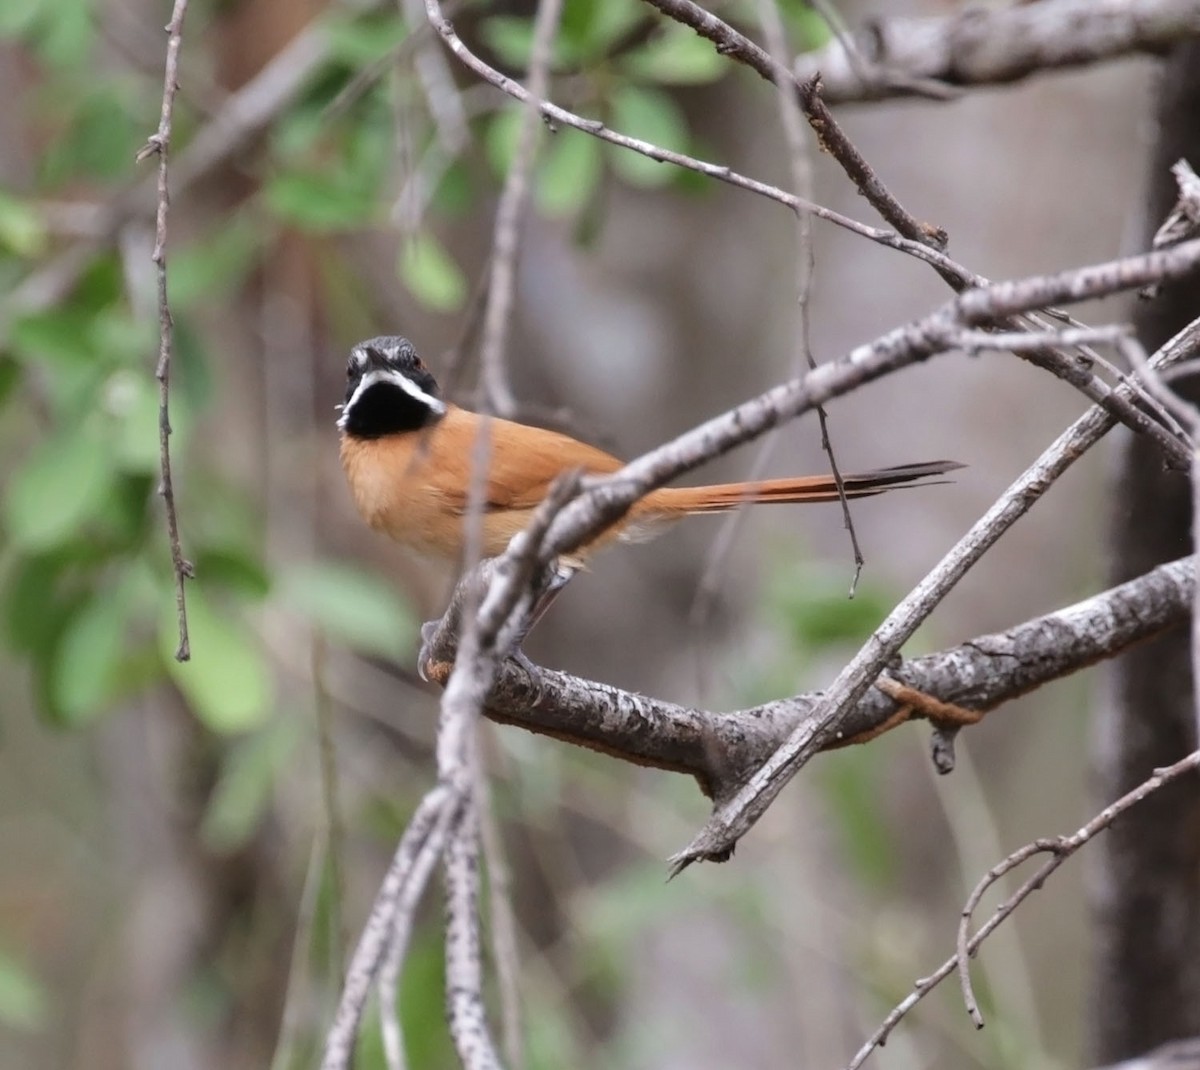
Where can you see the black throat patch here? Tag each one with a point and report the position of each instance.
(387, 409)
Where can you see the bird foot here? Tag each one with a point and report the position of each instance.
(430, 668)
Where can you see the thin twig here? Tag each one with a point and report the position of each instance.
(306, 912)
(1060, 849)
(428, 824)
(402, 917)
(160, 143)
(801, 169)
(1050, 356)
(834, 140)
(793, 126)
(503, 926)
(243, 115)
(485, 640)
(493, 373)
(729, 41)
(719, 172)
(974, 341)
(330, 803)
(464, 956)
(1189, 416)
(442, 96)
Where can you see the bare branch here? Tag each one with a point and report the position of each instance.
(464, 957)
(503, 925)
(1021, 341)
(160, 144)
(731, 42)
(1183, 220)
(402, 913)
(718, 172)
(1049, 356)
(607, 499)
(802, 176)
(730, 820)
(722, 750)
(994, 45)
(428, 826)
(1187, 414)
(1060, 849)
(494, 379)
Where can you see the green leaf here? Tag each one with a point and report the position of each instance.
(105, 128)
(589, 30)
(570, 173)
(652, 116)
(226, 681)
(352, 606)
(67, 33)
(87, 662)
(431, 274)
(510, 37)
(850, 781)
(58, 338)
(19, 20)
(500, 138)
(318, 202)
(249, 771)
(362, 40)
(131, 398)
(677, 56)
(33, 606)
(10, 377)
(233, 569)
(61, 486)
(585, 33)
(814, 603)
(121, 520)
(806, 26)
(215, 265)
(21, 227)
(24, 1003)
(455, 193)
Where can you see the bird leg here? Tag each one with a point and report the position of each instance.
(560, 577)
(439, 638)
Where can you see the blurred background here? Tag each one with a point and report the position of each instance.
(186, 850)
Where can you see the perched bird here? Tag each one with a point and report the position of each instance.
(407, 456)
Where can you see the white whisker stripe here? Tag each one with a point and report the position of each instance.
(434, 405)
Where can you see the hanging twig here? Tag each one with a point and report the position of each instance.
(159, 143)
(1060, 849)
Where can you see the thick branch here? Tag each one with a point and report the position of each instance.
(722, 749)
(994, 45)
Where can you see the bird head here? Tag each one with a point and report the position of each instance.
(388, 390)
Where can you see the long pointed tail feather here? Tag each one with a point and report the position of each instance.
(724, 496)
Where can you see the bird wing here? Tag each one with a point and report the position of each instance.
(523, 461)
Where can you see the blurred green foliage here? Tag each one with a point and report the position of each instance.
(23, 1001)
(86, 584)
(85, 580)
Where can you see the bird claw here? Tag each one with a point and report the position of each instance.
(534, 675)
(427, 662)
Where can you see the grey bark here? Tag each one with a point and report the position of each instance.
(1146, 881)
